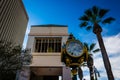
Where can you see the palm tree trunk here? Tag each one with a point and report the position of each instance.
(74, 77)
(91, 73)
(90, 66)
(95, 76)
(96, 72)
(97, 30)
(80, 73)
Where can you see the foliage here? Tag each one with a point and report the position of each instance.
(91, 47)
(94, 15)
(91, 50)
(90, 62)
(11, 59)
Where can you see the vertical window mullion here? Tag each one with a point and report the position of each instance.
(41, 45)
(37, 46)
(59, 45)
(48, 45)
(54, 44)
(45, 46)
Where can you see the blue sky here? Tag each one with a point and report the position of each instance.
(67, 12)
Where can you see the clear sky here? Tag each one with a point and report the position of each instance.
(67, 12)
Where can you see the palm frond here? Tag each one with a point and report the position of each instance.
(108, 20)
(84, 18)
(84, 64)
(92, 46)
(88, 13)
(96, 50)
(88, 28)
(86, 45)
(102, 12)
(95, 10)
(83, 24)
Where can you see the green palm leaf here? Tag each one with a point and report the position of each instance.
(86, 45)
(88, 28)
(84, 18)
(102, 12)
(84, 64)
(92, 46)
(88, 13)
(83, 24)
(108, 20)
(95, 10)
(96, 50)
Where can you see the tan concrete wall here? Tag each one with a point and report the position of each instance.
(48, 31)
(46, 59)
(31, 43)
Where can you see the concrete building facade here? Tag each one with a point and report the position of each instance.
(45, 42)
(13, 21)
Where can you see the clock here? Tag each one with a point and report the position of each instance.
(74, 48)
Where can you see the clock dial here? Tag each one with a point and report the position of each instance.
(74, 48)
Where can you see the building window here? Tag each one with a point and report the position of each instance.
(49, 44)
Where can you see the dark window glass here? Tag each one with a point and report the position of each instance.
(48, 44)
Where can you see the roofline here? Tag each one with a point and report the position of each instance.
(35, 34)
(49, 25)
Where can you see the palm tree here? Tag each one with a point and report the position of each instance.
(90, 62)
(80, 73)
(96, 71)
(92, 19)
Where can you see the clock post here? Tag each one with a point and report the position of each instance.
(73, 54)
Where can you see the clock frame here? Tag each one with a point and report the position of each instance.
(74, 48)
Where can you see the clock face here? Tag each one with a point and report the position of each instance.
(74, 48)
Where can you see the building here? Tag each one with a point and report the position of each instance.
(45, 42)
(13, 21)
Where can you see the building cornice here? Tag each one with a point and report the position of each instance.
(49, 25)
(53, 34)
